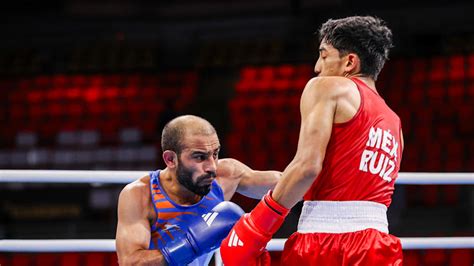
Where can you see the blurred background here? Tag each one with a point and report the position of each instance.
(89, 85)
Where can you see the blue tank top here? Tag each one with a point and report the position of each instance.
(168, 213)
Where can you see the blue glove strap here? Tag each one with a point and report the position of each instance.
(179, 251)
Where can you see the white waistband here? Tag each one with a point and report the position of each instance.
(342, 216)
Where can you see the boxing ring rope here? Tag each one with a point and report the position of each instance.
(108, 245)
(123, 177)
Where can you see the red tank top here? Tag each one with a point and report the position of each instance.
(363, 155)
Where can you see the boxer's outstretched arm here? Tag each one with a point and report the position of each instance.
(318, 108)
(234, 175)
(133, 229)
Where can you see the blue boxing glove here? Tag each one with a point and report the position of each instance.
(202, 235)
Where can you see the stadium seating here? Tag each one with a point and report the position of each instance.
(73, 116)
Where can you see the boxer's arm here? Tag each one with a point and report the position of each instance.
(233, 176)
(318, 107)
(133, 230)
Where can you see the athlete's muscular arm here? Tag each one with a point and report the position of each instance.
(234, 176)
(133, 228)
(318, 109)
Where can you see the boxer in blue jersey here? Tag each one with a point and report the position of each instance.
(179, 215)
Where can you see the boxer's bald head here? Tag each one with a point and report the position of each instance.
(191, 151)
(177, 130)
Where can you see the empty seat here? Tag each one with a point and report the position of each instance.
(63, 159)
(26, 139)
(411, 159)
(436, 93)
(95, 258)
(70, 259)
(60, 81)
(461, 257)
(267, 73)
(405, 116)
(454, 156)
(18, 113)
(19, 259)
(435, 257)
(419, 72)
(148, 153)
(46, 259)
(79, 80)
(456, 92)
(42, 82)
(430, 195)
(433, 159)
(299, 83)
(470, 66)
(445, 130)
(423, 131)
(113, 260)
(281, 84)
(78, 138)
(456, 67)
(130, 135)
(5, 259)
(416, 94)
(35, 96)
(125, 155)
(438, 68)
(285, 71)
(25, 84)
(465, 114)
(411, 258)
(273, 78)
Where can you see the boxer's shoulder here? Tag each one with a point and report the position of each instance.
(137, 194)
(138, 187)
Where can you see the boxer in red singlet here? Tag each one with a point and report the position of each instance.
(348, 157)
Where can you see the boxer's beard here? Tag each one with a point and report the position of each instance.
(185, 178)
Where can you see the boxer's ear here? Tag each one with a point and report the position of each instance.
(351, 64)
(170, 158)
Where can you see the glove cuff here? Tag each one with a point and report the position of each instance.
(268, 215)
(277, 207)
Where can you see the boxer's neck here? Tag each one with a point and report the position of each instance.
(175, 191)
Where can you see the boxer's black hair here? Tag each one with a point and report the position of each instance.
(366, 36)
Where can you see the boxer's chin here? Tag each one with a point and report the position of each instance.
(201, 187)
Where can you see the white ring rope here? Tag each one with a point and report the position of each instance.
(69, 176)
(57, 245)
(108, 245)
(123, 177)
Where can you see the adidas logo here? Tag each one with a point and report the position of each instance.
(209, 217)
(234, 240)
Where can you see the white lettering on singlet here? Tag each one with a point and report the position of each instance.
(380, 159)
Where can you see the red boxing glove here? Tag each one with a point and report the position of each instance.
(246, 242)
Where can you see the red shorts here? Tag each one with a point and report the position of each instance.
(366, 247)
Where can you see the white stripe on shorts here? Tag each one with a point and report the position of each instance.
(342, 216)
